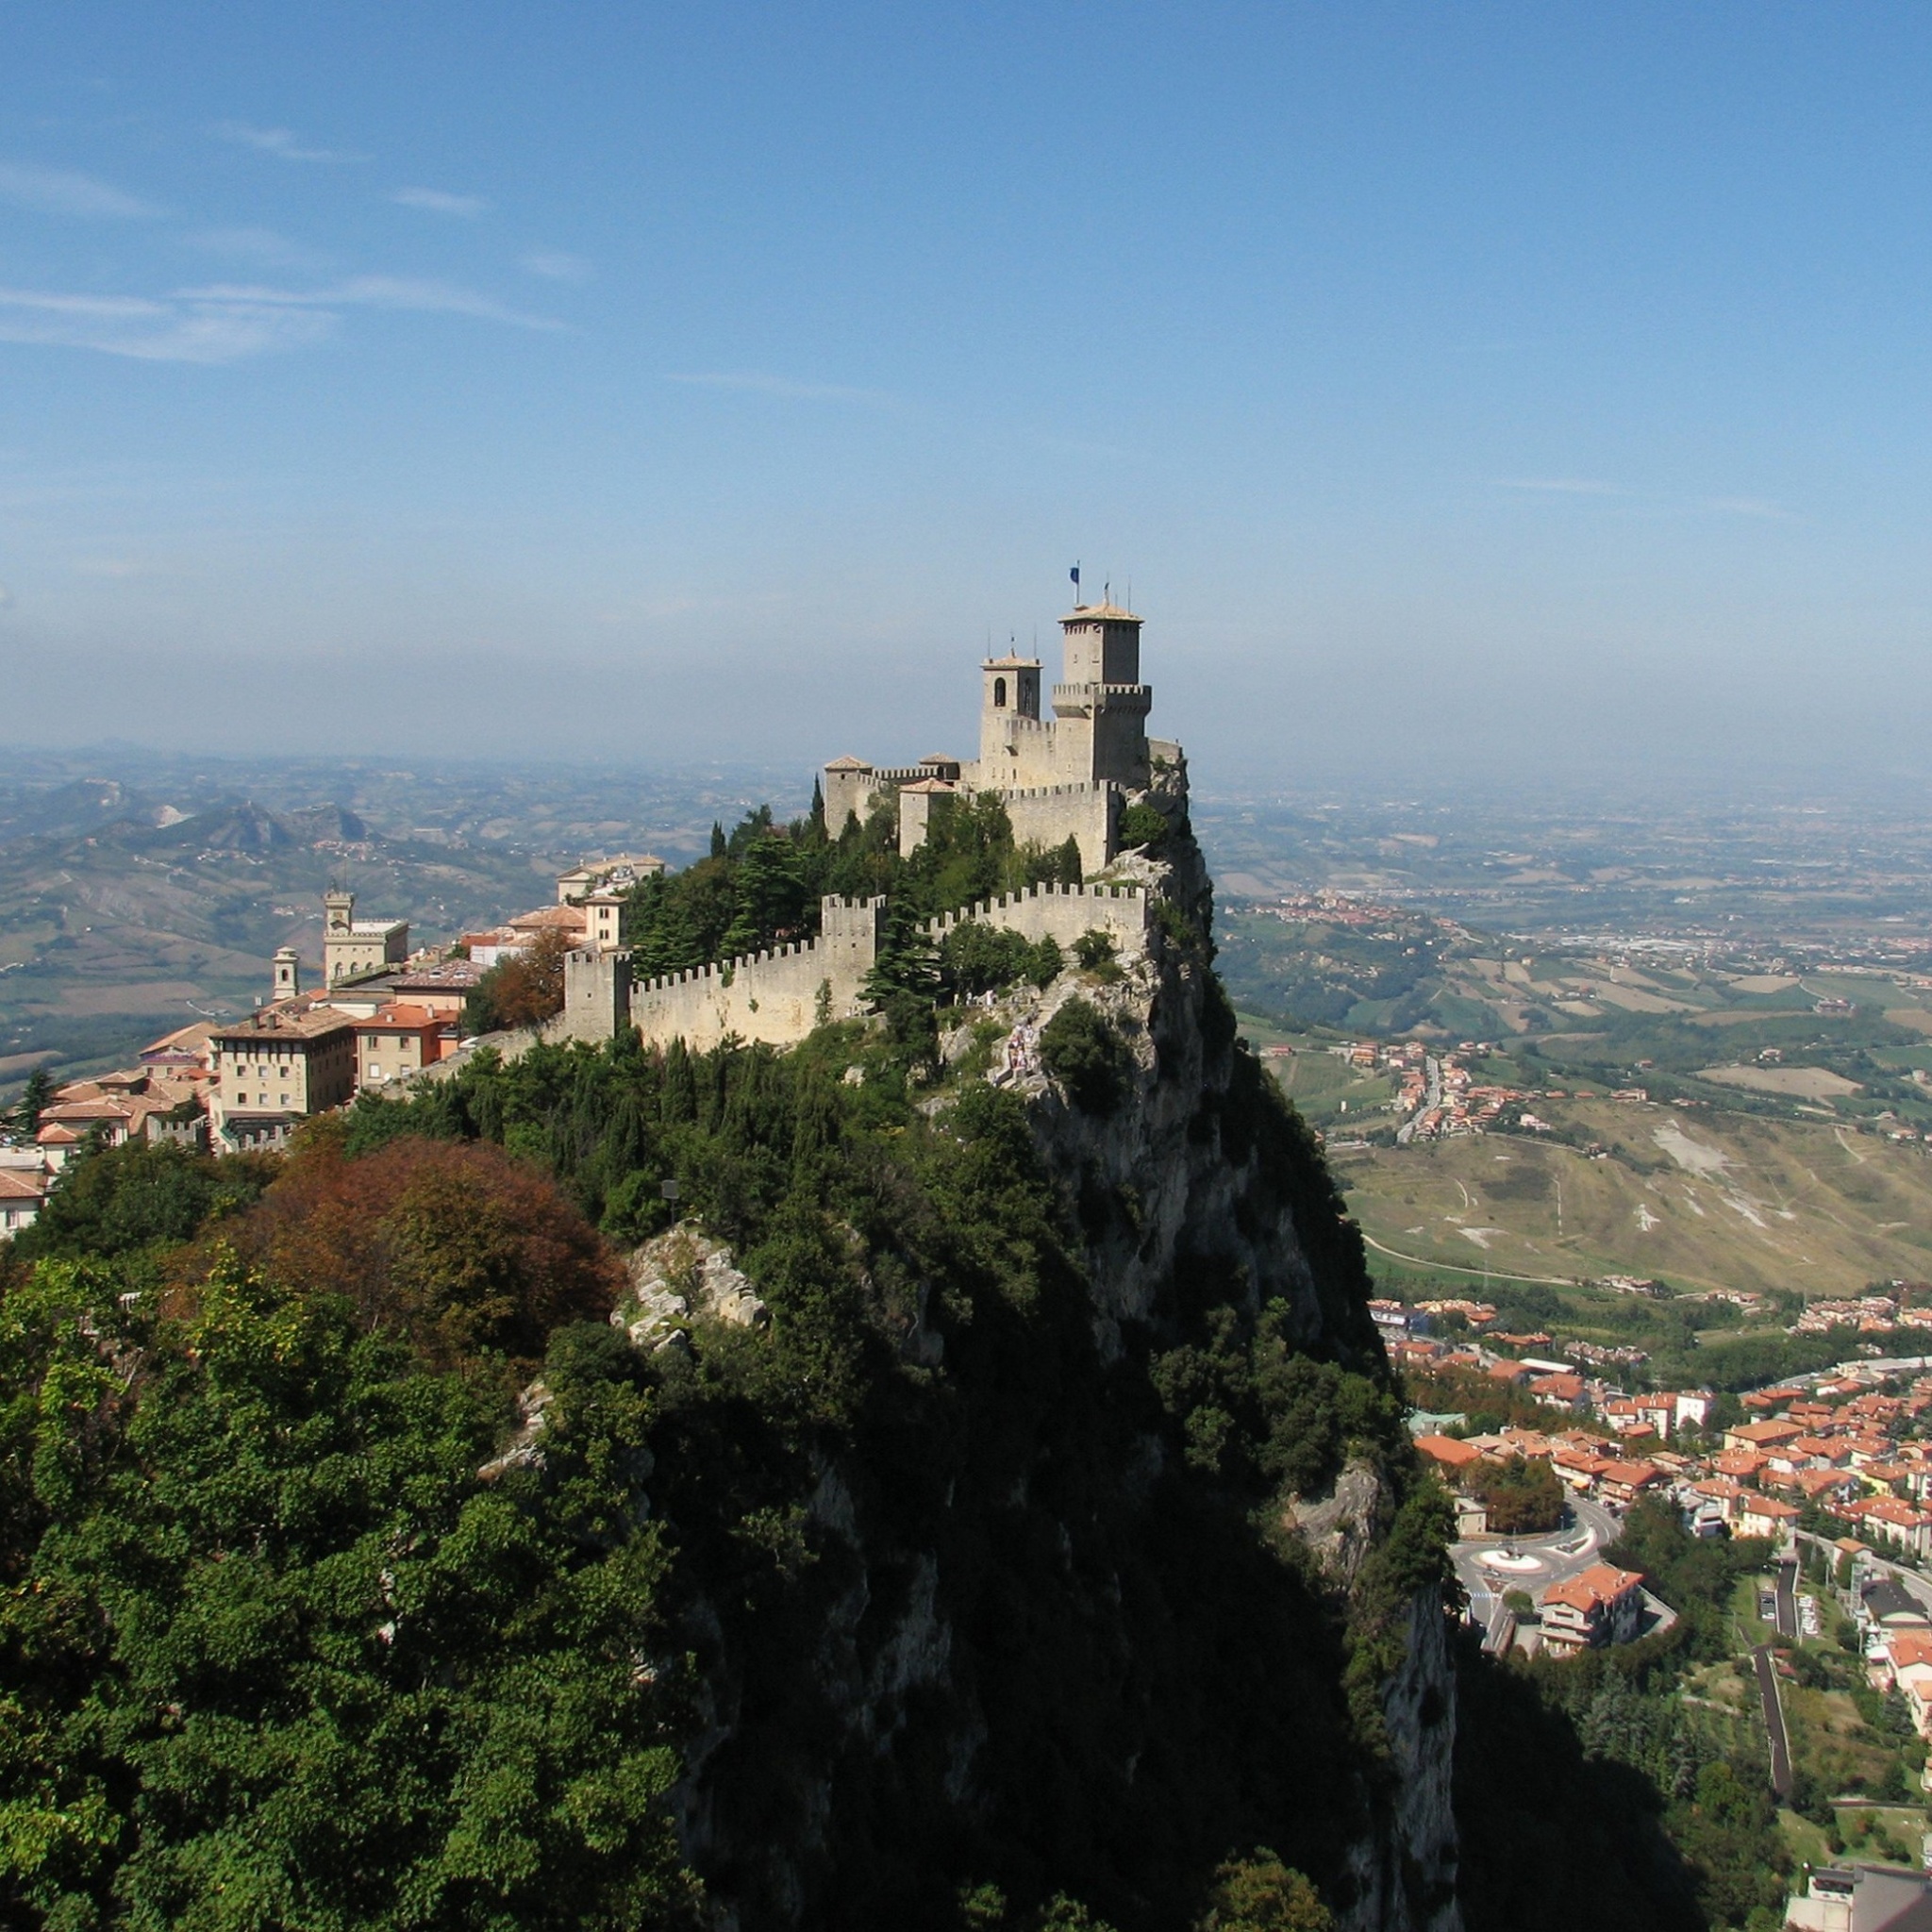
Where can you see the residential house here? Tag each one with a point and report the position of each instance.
(1861, 1898)
(1762, 1437)
(1765, 1516)
(1447, 1454)
(1561, 1390)
(22, 1192)
(396, 1041)
(1601, 1605)
(1622, 1483)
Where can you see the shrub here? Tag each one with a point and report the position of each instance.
(458, 1245)
(1081, 1050)
(1094, 950)
(976, 959)
(1142, 825)
(115, 1200)
(522, 990)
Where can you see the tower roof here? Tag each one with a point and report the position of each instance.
(1105, 613)
(1011, 662)
(848, 763)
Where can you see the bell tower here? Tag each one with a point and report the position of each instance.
(1008, 707)
(288, 967)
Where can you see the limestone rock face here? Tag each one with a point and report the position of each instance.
(681, 1276)
(1405, 1869)
(903, 1662)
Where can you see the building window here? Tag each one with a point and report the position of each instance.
(999, 693)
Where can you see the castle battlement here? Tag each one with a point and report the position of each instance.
(1050, 770)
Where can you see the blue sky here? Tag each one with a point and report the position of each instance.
(1538, 387)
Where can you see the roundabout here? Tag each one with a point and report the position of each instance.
(1511, 1562)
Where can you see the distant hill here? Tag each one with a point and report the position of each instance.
(138, 890)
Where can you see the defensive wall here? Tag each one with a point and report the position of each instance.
(1045, 814)
(779, 996)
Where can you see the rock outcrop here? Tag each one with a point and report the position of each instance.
(1036, 1566)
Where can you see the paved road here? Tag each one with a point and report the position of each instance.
(1786, 1599)
(1432, 1096)
(1773, 1721)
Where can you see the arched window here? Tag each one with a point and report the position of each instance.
(999, 693)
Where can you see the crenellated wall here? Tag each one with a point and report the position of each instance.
(781, 996)
(1062, 913)
(778, 996)
(1045, 815)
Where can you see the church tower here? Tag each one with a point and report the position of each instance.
(288, 965)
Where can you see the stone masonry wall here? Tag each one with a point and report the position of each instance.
(1045, 814)
(780, 996)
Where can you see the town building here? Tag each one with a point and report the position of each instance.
(1862, 1898)
(23, 1194)
(398, 1042)
(1598, 1606)
(352, 946)
(275, 1068)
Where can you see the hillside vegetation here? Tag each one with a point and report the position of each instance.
(1701, 1199)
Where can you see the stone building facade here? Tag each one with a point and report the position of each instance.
(350, 946)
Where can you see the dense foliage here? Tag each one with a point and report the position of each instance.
(1521, 1495)
(762, 886)
(522, 989)
(304, 1626)
(276, 1653)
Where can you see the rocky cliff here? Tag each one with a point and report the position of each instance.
(1120, 1575)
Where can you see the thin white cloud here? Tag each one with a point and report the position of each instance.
(262, 245)
(434, 201)
(60, 191)
(183, 329)
(1559, 486)
(379, 292)
(280, 142)
(753, 382)
(553, 265)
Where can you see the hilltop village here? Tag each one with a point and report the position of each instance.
(1071, 766)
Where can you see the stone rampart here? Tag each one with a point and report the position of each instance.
(778, 996)
(1062, 913)
(1045, 814)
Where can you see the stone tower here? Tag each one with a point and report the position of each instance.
(1008, 710)
(1101, 706)
(288, 967)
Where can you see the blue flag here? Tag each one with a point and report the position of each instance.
(1074, 573)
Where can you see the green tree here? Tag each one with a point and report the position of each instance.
(289, 1659)
(1261, 1894)
(1081, 1049)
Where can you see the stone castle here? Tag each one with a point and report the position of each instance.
(1067, 775)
